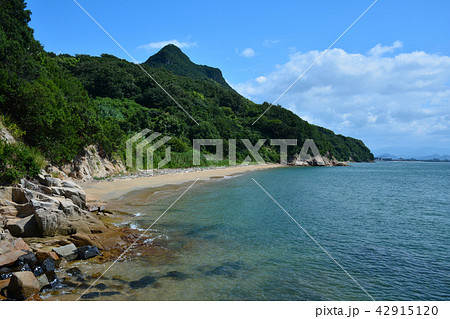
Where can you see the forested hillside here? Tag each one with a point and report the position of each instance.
(59, 104)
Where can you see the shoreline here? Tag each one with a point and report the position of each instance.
(104, 191)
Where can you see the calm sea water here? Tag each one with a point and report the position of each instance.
(387, 224)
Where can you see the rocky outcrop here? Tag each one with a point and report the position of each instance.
(46, 207)
(5, 135)
(92, 164)
(318, 161)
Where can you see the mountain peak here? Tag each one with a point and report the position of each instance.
(174, 60)
(170, 54)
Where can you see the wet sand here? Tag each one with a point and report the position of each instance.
(105, 191)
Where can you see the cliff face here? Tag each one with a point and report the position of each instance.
(91, 164)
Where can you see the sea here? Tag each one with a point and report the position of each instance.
(368, 231)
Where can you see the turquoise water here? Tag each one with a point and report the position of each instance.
(387, 224)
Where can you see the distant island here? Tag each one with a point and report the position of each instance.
(412, 158)
(401, 159)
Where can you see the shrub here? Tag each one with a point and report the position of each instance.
(18, 161)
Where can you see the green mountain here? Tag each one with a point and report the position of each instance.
(57, 105)
(173, 59)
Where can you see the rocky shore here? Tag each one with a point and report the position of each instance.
(326, 160)
(45, 224)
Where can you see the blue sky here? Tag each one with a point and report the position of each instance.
(387, 81)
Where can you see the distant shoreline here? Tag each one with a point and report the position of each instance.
(410, 160)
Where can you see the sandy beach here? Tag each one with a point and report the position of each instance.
(108, 190)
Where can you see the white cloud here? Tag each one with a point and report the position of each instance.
(269, 43)
(248, 53)
(161, 44)
(401, 99)
(261, 79)
(379, 49)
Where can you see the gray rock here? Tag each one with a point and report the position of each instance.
(23, 227)
(68, 252)
(51, 206)
(48, 205)
(52, 182)
(43, 281)
(78, 197)
(47, 221)
(69, 184)
(48, 181)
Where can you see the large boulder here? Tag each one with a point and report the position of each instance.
(68, 252)
(47, 221)
(23, 227)
(23, 285)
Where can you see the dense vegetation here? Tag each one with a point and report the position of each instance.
(17, 161)
(63, 103)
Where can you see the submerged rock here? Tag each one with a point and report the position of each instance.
(74, 271)
(100, 286)
(109, 293)
(143, 282)
(177, 275)
(96, 294)
(227, 269)
(91, 295)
